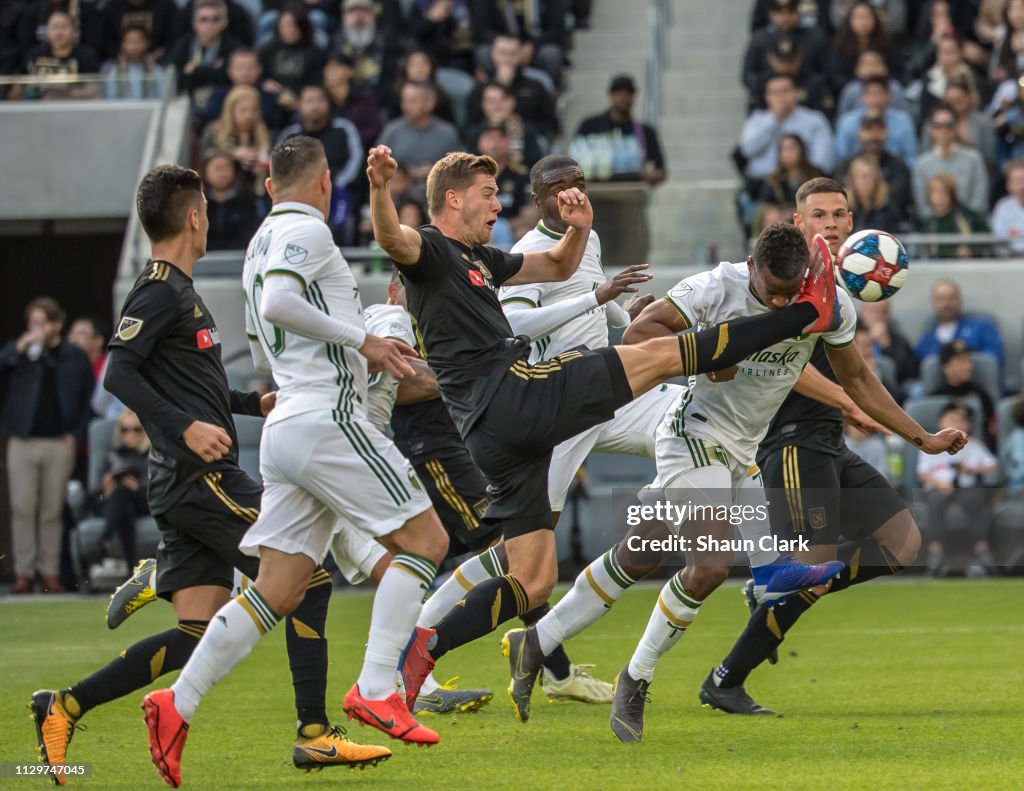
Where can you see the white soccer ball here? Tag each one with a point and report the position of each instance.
(872, 265)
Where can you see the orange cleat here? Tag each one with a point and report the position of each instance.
(819, 288)
(167, 734)
(389, 716)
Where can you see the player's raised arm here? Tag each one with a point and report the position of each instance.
(814, 384)
(658, 320)
(399, 241)
(561, 261)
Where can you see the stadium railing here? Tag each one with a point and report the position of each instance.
(944, 246)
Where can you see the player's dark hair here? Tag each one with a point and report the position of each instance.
(294, 159)
(455, 171)
(164, 198)
(50, 307)
(781, 248)
(875, 79)
(545, 165)
(817, 186)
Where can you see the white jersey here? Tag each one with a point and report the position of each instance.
(385, 321)
(590, 329)
(736, 414)
(294, 241)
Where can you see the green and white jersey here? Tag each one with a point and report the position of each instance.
(590, 329)
(736, 414)
(386, 321)
(294, 241)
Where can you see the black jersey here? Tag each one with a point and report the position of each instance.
(166, 366)
(452, 294)
(805, 422)
(424, 429)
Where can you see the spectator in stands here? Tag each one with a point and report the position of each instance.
(965, 165)
(784, 35)
(533, 102)
(938, 20)
(444, 28)
(371, 48)
(418, 66)
(498, 107)
(870, 64)
(1008, 108)
(538, 25)
(876, 318)
(989, 20)
(813, 13)
(1008, 46)
(893, 14)
(958, 479)
(244, 69)
(619, 118)
(201, 59)
(241, 132)
(759, 139)
(125, 483)
(324, 16)
(949, 67)
(350, 102)
(290, 59)
(49, 383)
(792, 170)
(419, 138)
(85, 334)
(949, 322)
(876, 100)
(240, 22)
(869, 198)
(156, 16)
(411, 213)
(59, 55)
(231, 210)
(1008, 215)
(345, 156)
(1011, 451)
(859, 31)
(947, 215)
(870, 447)
(873, 134)
(974, 128)
(514, 191)
(958, 381)
(766, 214)
(133, 74)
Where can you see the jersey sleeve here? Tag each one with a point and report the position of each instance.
(843, 336)
(301, 252)
(503, 265)
(399, 328)
(528, 294)
(150, 313)
(693, 298)
(432, 250)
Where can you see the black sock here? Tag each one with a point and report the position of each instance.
(557, 662)
(135, 668)
(487, 605)
(307, 655)
(730, 342)
(865, 560)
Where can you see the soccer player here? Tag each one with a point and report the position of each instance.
(321, 461)
(512, 414)
(822, 491)
(165, 365)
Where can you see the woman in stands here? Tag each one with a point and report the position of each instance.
(291, 59)
(241, 132)
(952, 217)
(869, 198)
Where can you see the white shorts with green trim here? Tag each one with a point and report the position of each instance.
(321, 476)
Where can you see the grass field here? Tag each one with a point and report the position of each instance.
(904, 685)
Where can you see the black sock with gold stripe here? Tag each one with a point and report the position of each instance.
(865, 560)
(137, 666)
(307, 653)
(483, 609)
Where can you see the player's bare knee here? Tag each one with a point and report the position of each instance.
(422, 535)
(538, 590)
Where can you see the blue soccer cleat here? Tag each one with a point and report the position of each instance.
(751, 600)
(774, 583)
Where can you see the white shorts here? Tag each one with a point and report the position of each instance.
(631, 431)
(321, 476)
(356, 554)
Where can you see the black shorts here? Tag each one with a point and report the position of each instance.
(534, 409)
(200, 533)
(459, 494)
(823, 498)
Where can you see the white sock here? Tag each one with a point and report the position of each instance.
(396, 606)
(471, 573)
(228, 639)
(429, 684)
(672, 615)
(596, 589)
(754, 530)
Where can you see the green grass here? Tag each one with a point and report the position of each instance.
(903, 685)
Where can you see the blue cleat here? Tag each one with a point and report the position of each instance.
(751, 600)
(776, 582)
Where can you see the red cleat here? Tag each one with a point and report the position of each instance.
(389, 715)
(416, 664)
(819, 288)
(167, 734)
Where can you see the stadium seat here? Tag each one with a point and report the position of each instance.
(249, 429)
(1007, 536)
(1004, 419)
(458, 85)
(886, 369)
(985, 376)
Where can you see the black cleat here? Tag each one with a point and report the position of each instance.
(525, 661)
(627, 718)
(133, 594)
(751, 600)
(734, 700)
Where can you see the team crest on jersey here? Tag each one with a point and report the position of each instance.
(396, 329)
(128, 328)
(681, 290)
(294, 254)
(196, 312)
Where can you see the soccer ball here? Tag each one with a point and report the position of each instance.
(872, 265)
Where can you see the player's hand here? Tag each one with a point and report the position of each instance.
(267, 402)
(381, 167)
(622, 283)
(208, 442)
(862, 421)
(575, 209)
(949, 440)
(387, 354)
(634, 306)
(723, 375)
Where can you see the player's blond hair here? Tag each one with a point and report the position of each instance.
(456, 171)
